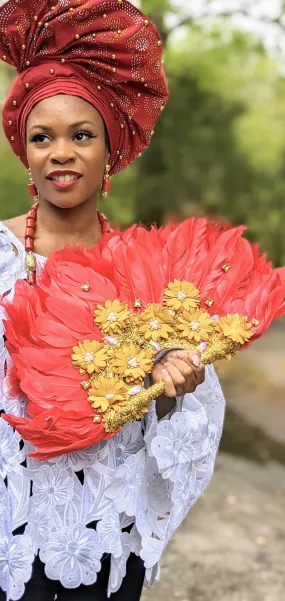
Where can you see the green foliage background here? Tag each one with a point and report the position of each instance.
(219, 147)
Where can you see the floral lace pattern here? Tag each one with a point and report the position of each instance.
(149, 475)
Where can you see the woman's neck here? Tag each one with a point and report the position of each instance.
(56, 227)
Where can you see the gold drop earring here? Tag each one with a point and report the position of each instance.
(32, 188)
(107, 184)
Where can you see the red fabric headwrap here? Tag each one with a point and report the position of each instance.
(106, 52)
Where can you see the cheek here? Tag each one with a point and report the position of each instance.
(95, 164)
(35, 158)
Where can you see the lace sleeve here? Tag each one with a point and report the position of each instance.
(11, 268)
(159, 484)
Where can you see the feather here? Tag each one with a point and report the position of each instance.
(74, 315)
(134, 274)
(182, 248)
(207, 272)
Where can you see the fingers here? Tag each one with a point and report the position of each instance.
(170, 389)
(178, 379)
(181, 371)
(193, 358)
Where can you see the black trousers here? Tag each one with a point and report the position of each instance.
(40, 588)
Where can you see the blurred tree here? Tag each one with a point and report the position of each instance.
(219, 147)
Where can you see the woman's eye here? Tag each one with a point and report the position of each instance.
(81, 136)
(39, 138)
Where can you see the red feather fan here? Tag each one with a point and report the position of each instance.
(44, 323)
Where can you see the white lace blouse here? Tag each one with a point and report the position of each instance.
(149, 475)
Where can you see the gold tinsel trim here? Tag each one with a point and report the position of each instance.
(136, 400)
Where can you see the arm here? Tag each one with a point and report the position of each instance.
(168, 474)
(184, 450)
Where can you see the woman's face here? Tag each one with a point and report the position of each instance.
(66, 150)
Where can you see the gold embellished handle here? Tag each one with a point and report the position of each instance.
(140, 403)
(135, 408)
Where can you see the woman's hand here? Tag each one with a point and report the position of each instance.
(182, 372)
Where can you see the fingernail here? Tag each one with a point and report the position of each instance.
(196, 360)
(181, 354)
(164, 372)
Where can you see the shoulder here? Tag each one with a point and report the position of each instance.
(11, 258)
(16, 226)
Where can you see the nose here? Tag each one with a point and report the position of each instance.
(62, 152)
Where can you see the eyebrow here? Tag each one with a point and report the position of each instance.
(72, 126)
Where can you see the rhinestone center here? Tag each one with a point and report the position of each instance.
(154, 324)
(181, 296)
(88, 357)
(133, 362)
(195, 326)
(109, 396)
(112, 317)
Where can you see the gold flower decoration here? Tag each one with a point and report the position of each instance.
(112, 318)
(195, 326)
(155, 323)
(236, 327)
(89, 357)
(182, 295)
(106, 393)
(132, 363)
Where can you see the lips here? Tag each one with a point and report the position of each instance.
(64, 176)
(64, 180)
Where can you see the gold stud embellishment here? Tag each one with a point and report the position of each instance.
(255, 323)
(85, 385)
(226, 267)
(209, 302)
(137, 303)
(51, 71)
(85, 287)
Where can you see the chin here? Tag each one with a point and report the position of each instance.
(65, 201)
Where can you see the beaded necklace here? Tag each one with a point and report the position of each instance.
(30, 259)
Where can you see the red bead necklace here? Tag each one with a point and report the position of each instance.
(30, 260)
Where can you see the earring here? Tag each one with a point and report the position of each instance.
(31, 187)
(107, 184)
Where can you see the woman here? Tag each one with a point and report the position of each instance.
(92, 524)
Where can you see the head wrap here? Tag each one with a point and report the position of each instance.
(104, 51)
